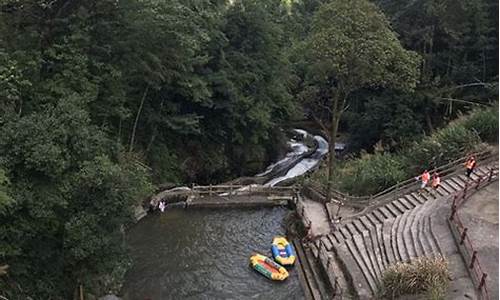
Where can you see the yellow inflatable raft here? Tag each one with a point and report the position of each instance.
(267, 267)
(282, 251)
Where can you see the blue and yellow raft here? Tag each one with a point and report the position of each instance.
(282, 251)
(267, 267)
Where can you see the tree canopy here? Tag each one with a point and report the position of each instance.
(351, 46)
(102, 100)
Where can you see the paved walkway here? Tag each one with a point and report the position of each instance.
(480, 215)
(316, 213)
(399, 230)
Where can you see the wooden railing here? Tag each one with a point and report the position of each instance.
(236, 190)
(404, 187)
(460, 231)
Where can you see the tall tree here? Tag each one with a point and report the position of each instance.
(352, 46)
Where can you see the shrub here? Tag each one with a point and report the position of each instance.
(485, 123)
(428, 275)
(444, 146)
(370, 173)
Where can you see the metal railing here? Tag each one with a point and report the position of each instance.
(460, 231)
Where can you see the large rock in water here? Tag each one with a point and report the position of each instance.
(110, 297)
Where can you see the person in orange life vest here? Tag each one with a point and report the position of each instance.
(470, 164)
(425, 177)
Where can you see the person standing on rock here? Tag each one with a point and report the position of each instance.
(470, 164)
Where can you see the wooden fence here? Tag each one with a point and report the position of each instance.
(469, 253)
(402, 188)
(201, 191)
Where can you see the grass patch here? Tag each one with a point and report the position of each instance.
(422, 275)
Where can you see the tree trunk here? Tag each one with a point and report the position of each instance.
(336, 113)
(132, 138)
(429, 121)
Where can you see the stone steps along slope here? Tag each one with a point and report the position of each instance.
(410, 201)
(398, 231)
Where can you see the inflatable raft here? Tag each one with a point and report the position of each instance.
(267, 267)
(282, 251)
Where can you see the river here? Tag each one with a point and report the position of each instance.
(204, 254)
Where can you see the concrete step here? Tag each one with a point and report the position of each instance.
(481, 171)
(437, 240)
(377, 214)
(371, 219)
(326, 261)
(380, 241)
(337, 236)
(412, 200)
(395, 208)
(360, 225)
(421, 234)
(406, 203)
(400, 238)
(411, 240)
(387, 241)
(393, 239)
(418, 197)
(370, 252)
(376, 250)
(474, 176)
(314, 247)
(352, 271)
(441, 192)
(458, 181)
(343, 231)
(446, 188)
(452, 185)
(423, 238)
(362, 264)
(428, 238)
(391, 209)
(306, 276)
(399, 206)
(351, 229)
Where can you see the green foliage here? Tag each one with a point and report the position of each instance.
(71, 195)
(428, 275)
(353, 45)
(392, 119)
(484, 122)
(5, 200)
(445, 145)
(166, 164)
(371, 173)
(198, 90)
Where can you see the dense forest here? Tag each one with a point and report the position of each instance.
(102, 100)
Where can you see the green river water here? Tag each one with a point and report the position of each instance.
(204, 254)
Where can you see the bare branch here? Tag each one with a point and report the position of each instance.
(461, 101)
(466, 85)
(324, 128)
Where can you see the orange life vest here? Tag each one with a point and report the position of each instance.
(470, 164)
(426, 176)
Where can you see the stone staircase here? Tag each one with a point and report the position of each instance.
(395, 231)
